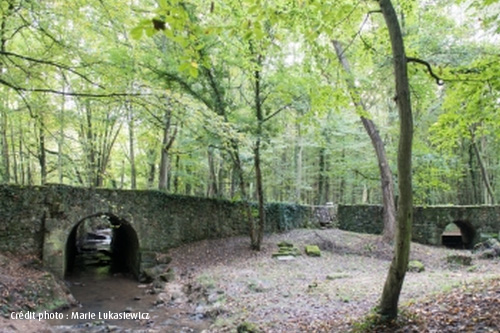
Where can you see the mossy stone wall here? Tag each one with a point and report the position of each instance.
(428, 222)
(39, 219)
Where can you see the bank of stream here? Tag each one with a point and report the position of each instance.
(103, 297)
(110, 297)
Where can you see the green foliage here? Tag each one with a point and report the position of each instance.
(194, 63)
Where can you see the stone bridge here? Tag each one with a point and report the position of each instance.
(429, 223)
(44, 221)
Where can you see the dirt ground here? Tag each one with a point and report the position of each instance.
(222, 281)
(328, 293)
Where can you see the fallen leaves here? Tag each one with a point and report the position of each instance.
(466, 308)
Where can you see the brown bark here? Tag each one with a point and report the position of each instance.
(258, 172)
(167, 142)
(395, 277)
(131, 138)
(484, 172)
(212, 190)
(5, 167)
(387, 185)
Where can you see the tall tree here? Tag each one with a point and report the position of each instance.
(399, 265)
(387, 184)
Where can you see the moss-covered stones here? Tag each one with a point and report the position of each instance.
(286, 251)
(313, 251)
(415, 266)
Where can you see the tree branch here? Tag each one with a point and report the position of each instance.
(50, 63)
(65, 93)
(439, 80)
(276, 112)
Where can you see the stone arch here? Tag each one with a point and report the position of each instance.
(464, 238)
(124, 246)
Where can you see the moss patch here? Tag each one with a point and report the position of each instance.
(313, 251)
(415, 266)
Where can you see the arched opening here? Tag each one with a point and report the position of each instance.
(104, 243)
(459, 235)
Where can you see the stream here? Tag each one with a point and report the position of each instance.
(117, 302)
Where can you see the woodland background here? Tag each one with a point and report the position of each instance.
(182, 96)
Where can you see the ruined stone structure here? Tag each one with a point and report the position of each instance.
(429, 222)
(43, 220)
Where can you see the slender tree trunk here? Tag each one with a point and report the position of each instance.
(387, 185)
(322, 179)
(131, 138)
(164, 162)
(176, 173)
(151, 161)
(342, 182)
(474, 188)
(14, 158)
(257, 162)
(221, 178)
(4, 146)
(21, 157)
(41, 152)
(212, 190)
(167, 142)
(247, 209)
(399, 265)
(5, 167)
(298, 163)
(60, 140)
(90, 147)
(484, 171)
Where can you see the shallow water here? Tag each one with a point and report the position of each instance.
(101, 294)
(116, 299)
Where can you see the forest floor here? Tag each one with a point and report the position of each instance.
(229, 286)
(337, 291)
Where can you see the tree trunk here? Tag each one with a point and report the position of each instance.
(167, 141)
(176, 173)
(484, 172)
(395, 277)
(131, 137)
(474, 189)
(5, 167)
(212, 190)
(163, 169)
(14, 158)
(21, 157)
(322, 179)
(258, 171)
(151, 161)
(298, 163)
(41, 152)
(244, 197)
(387, 185)
(60, 140)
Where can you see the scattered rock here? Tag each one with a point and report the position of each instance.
(488, 249)
(459, 259)
(282, 257)
(285, 244)
(246, 327)
(168, 276)
(313, 251)
(163, 259)
(287, 251)
(336, 276)
(415, 266)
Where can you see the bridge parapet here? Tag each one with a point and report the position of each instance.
(429, 222)
(41, 220)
